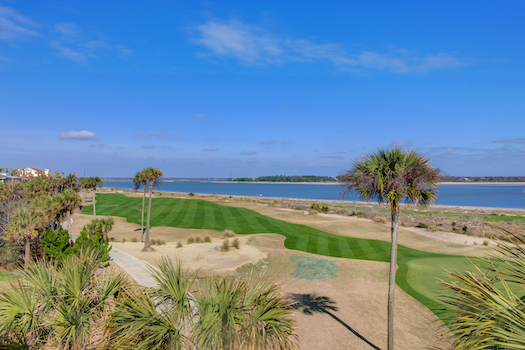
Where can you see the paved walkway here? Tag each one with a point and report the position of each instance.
(135, 267)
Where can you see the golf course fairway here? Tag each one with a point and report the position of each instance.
(418, 271)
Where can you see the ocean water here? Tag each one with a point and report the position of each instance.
(507, 196)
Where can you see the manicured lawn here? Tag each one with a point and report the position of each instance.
(418, 271)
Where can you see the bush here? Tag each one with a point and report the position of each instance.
(134, 239)
(422, 225)
(179, 245)
(153, 241)
(10, 254)
(325, 209)
(190, 240)
(228, 233)
(225, 245)
(56, 243)
(92, 241)
(123, 240)
(236, 244)
(464, 229)
(207, 239)
(198, 240)
(315, 207)
(191, 194)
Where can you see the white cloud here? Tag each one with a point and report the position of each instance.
(201, 116)
(14, 26)
(78, 135)
(248, 152)
(254, 45)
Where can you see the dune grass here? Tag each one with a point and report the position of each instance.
(418, 271)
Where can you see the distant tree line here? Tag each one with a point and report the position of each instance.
(284, 178)
(482, 179)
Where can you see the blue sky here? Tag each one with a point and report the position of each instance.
(205, 88)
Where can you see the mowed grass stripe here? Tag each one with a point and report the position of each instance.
(191, 213)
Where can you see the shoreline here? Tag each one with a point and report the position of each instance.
(347, 202)
(329, 183)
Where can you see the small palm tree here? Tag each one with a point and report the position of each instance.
(152, 175)
(486, 309)
(391, 176)
(141, 179)
(25, 224)
(224, 314)
(92, 183)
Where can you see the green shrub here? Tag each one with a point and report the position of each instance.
(191, 194)
(198, 240)
(92, 241)
(207, 239)
(325, 209)
(56, 243)
(190, 240)
(315, 207)
(422, 225)
(153, 242)
(134, 239)
(179, 245)
(464, 229)
(123, 240)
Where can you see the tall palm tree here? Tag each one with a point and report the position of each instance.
(153, 176)
(140, 179)
(92, 183)
(391, 176)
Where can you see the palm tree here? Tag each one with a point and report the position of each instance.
(225, 314)
(140, 179)
(25, 224)
(152, 175)
(62, 305)
(92, 183)
(391, 175)
(486, 309)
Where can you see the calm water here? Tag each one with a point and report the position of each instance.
(478, 196)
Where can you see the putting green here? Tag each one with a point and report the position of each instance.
(417, 274)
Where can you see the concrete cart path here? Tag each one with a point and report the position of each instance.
(136, 268)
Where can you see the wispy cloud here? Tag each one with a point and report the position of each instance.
(156, 147)
(15, 26)
(522, 140)
(78, 135)
(160, 134)
(400, 144)
(74, 44)
(213, 149)
(248, 152)
(254, 45)
(268, 142)
(201, 116)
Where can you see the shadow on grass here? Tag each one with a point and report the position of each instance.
(311, 303)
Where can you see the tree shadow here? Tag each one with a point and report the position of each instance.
(310, 304)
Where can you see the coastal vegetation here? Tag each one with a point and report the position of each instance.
(485, 308)
(391, 176)
(284, 178)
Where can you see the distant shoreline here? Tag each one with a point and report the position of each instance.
(328, 183)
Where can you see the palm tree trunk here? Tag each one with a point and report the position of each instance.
(392, 278)
(146, 239)
(94, 208)
(69, 226)
(142, 217)
(27, 252)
